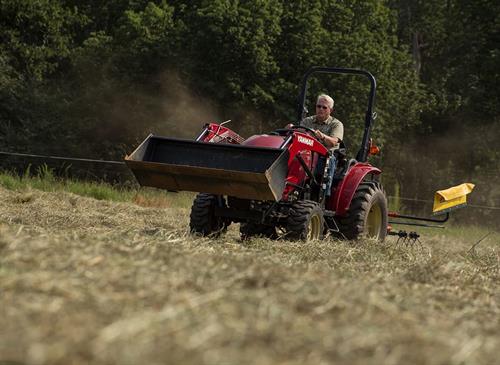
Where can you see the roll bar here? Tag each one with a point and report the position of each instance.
(370, 115)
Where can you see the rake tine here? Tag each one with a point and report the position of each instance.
(420, 243)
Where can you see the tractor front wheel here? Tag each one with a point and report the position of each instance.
(305, 221)
(203, 219)
(367, 216)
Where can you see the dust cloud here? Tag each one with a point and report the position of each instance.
(174, 109)
(183, 110)
(125, 113)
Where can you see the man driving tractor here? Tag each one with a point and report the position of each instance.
(328, 129)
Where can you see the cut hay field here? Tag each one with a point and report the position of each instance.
(86, 281)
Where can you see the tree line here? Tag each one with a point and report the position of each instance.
(93, 78)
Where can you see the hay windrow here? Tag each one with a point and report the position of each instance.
(88, 281)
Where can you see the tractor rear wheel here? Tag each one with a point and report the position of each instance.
(248, 230)
(305, 221)
(203, 219)
(367, 216)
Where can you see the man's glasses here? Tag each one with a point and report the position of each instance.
(321, 106)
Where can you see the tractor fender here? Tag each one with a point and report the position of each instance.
(345, 191)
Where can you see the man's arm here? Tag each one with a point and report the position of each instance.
(328, 141)
(335, 136)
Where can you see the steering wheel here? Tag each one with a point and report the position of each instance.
(287, 131)
(307, 129)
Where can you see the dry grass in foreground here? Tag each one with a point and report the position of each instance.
(96, 282)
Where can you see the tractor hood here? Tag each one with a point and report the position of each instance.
(264, 140)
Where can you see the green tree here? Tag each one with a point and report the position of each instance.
(232, 49)
(36, 41)
(360, 34)
(247, 56)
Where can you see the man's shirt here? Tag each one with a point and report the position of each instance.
(331, 127)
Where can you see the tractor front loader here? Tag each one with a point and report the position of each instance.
(270, 183)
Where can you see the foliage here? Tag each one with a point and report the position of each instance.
(105, 62)
(456, 43)
(92, 78)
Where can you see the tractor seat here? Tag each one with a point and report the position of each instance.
(343, 166)
(340, 153)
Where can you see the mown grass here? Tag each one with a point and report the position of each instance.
(108, 282)
(44, 179)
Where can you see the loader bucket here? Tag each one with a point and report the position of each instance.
(235, 170)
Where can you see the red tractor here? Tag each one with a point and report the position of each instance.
(272, 183)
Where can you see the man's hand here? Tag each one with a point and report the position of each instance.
(289, 126)
(320, 135)
(327, 141)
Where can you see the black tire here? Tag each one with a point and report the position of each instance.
(203, 220)
(248, 230)
(305, 221)
(367, 216)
